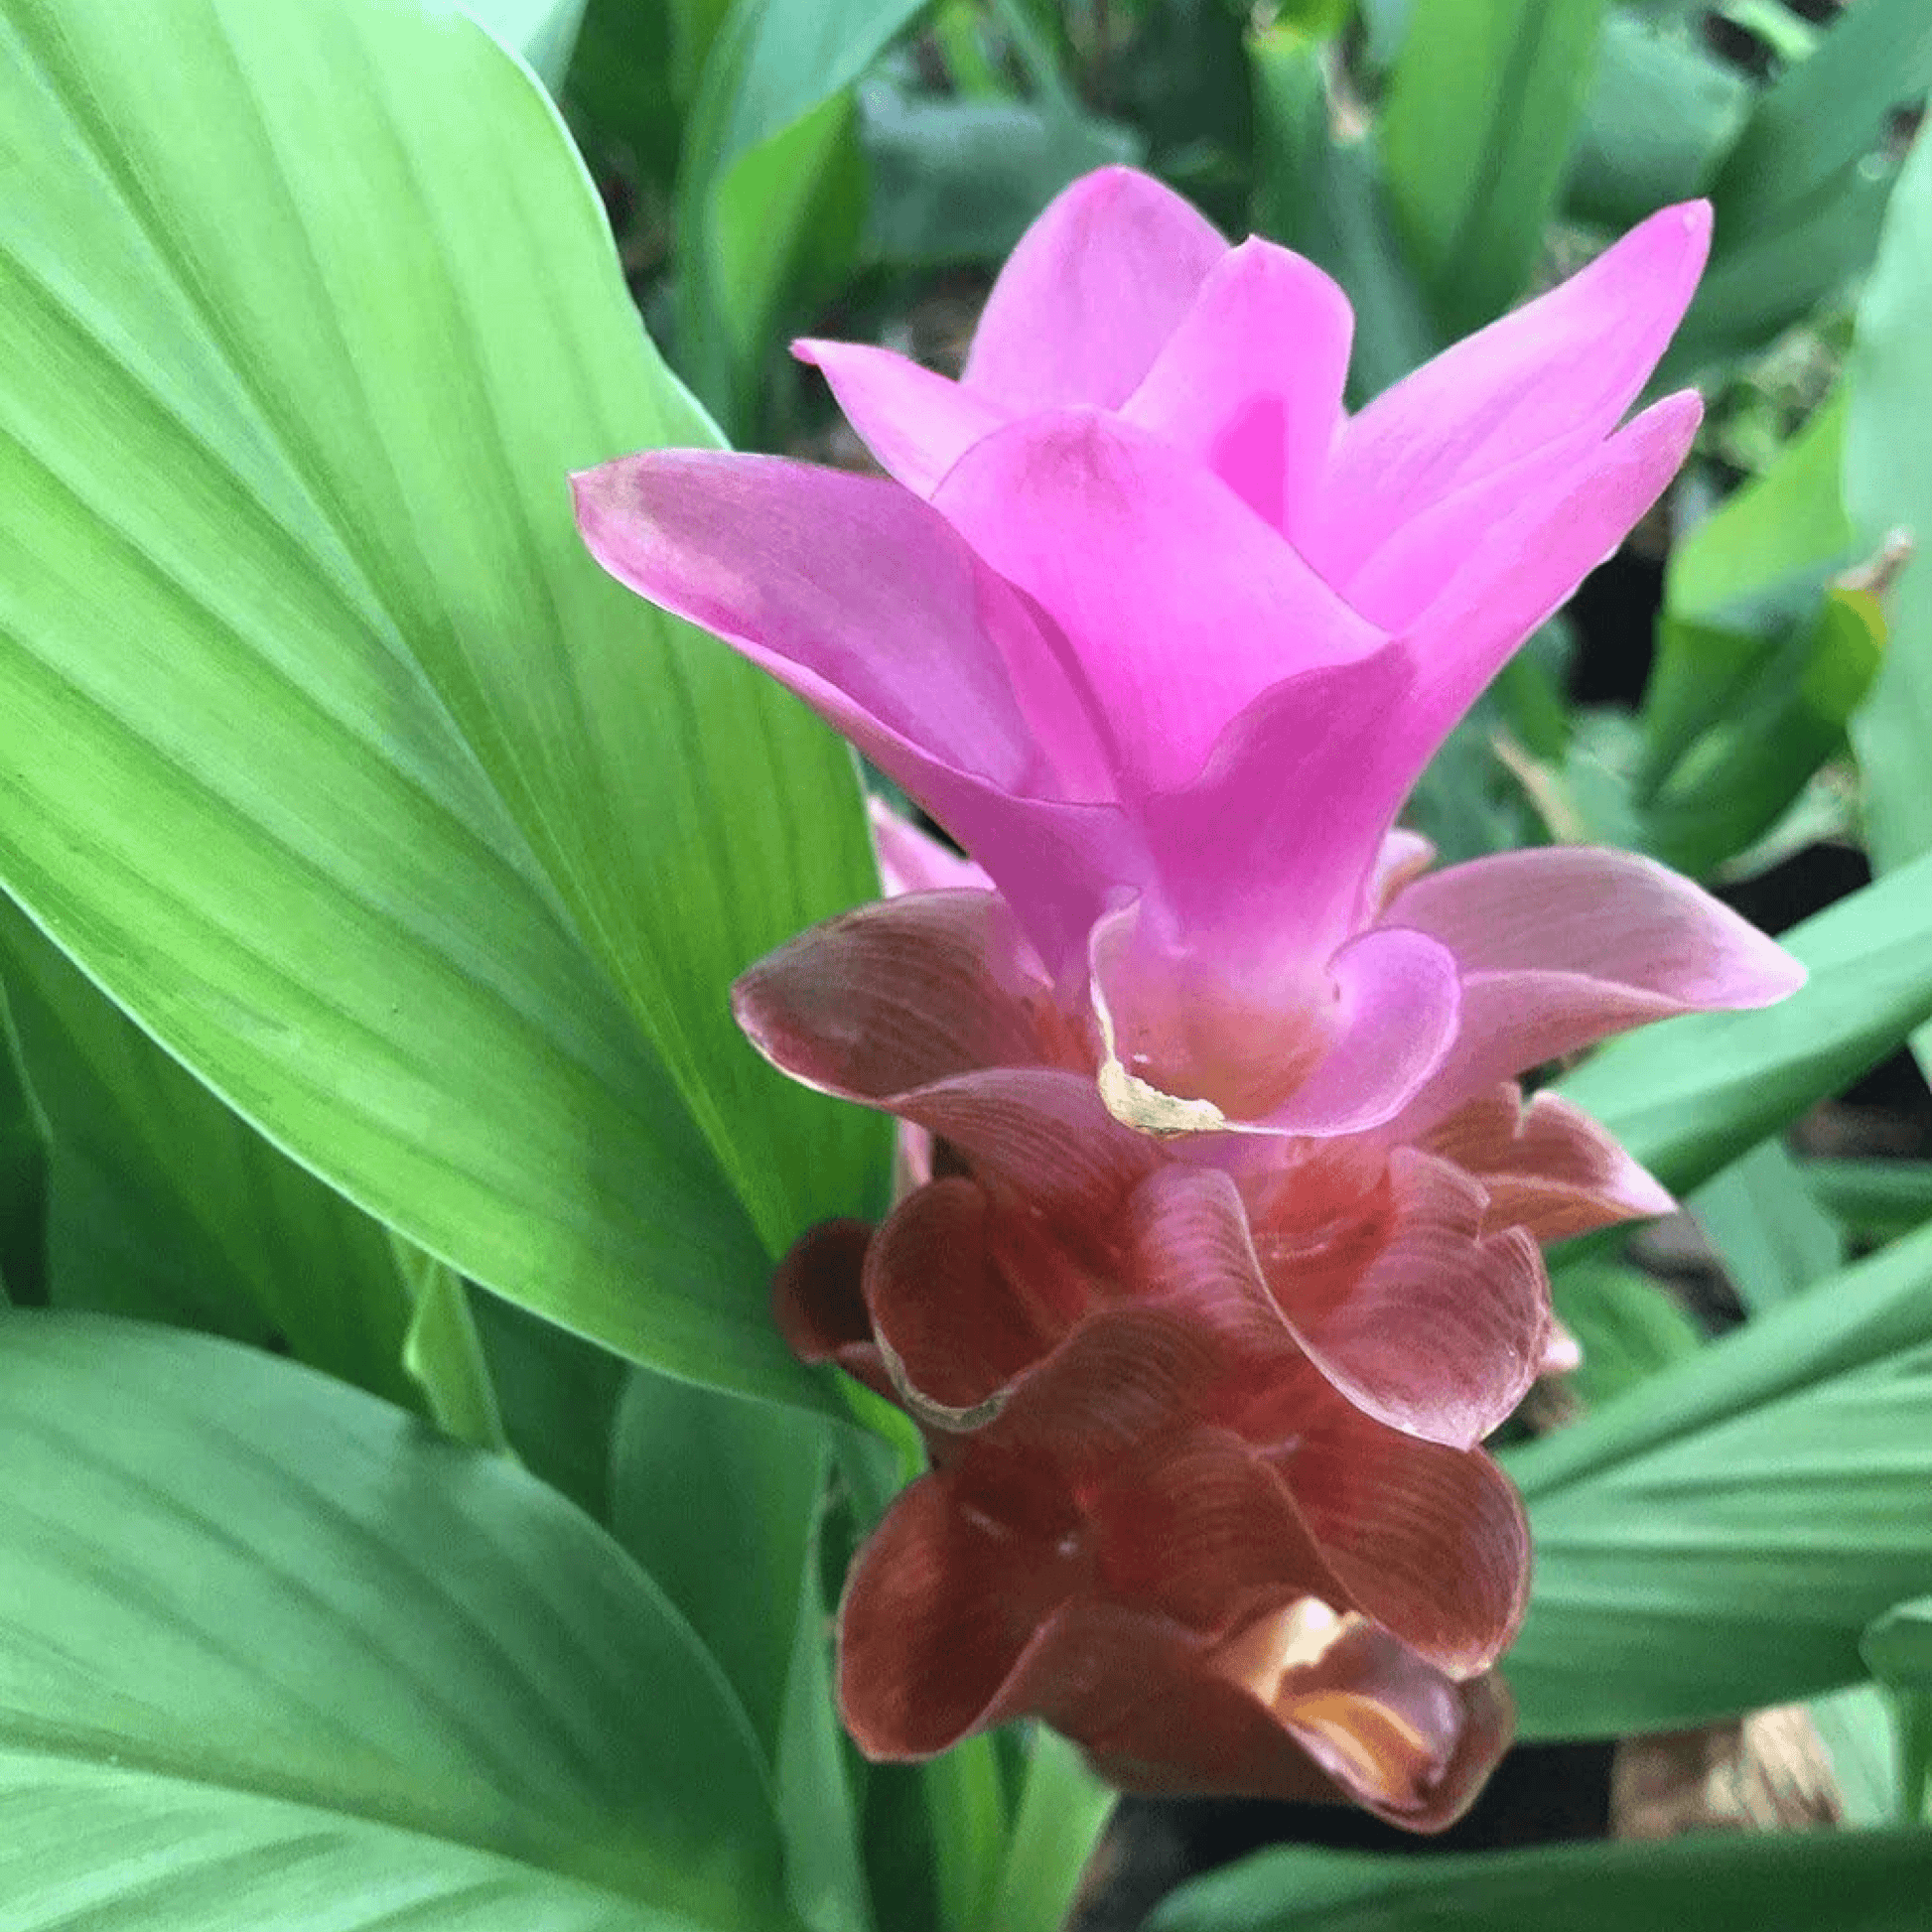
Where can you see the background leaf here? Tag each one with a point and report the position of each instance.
(1485, 100)
(1720, 1539)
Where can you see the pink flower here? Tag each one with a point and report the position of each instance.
(1163, 637)
(1224, 1255)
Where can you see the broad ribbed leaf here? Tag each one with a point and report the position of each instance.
(330, 752)
(1721, 1538)
(1691, 1095)
(1797, 1882)
(1768, 1229)
(260, 1622)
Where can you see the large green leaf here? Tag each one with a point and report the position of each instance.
(1689, 1096)
(1719, 1538)
(263, 1624)
(1487, 98)
(333, 758)
(1799, 1883)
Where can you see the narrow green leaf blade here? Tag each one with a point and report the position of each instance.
(1720, 1539)
(1851, 1882)
(1487, 98)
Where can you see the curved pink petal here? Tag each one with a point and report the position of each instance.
(1251, 382)
(856, 595)
(918, 424)
(1040, 1135)
(955, 1327)
(901, 993)
(863, 601)
(1405, 1304)
(1562, 946)
(1096, 285)
(1430, 1541)
(1396, 1001)
(1181, 605)
(911, 860)
(820, 1306)
(939, 1610)
(1547, 1167)
(1525, 562)
(1265, 858)
(1571, 362)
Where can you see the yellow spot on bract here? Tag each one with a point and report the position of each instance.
(1139, 1103)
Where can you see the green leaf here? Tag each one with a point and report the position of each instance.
(1720, 1539)
(542, 32)
(1899, 1646)
(1876, 1199)
(1825, 112)
(1762, 282)
(443, 1352)
(1887, 488)
(1627, 1327)
(263, 1623)
(1854, 1881)
(1487, 98)
(1691, 1095)
(959, 180)
(1062, 1811)
(1771, 1232)
(1786, 521)
(163, 1202)
(766, 179)
(338, 763)
(716, 1498)
(1658, 117)
(23, 1175)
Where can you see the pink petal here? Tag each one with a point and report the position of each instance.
(1396, 999)
(939, 1608)
(899, 994)
(1562, 946)
(1547, 1167)
(918, 424)
(1201, 1530)
(1096, 285)
(1525, 564)
(1038, 1135)
(913, 861)
(819, 1308)
(1251, 382)
(856, 595)
(1265, 861)
(1179, 603)
(956, 1329)
(1408, 1306)
(1570, 363)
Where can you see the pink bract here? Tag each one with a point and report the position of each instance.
(1223, 1252)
